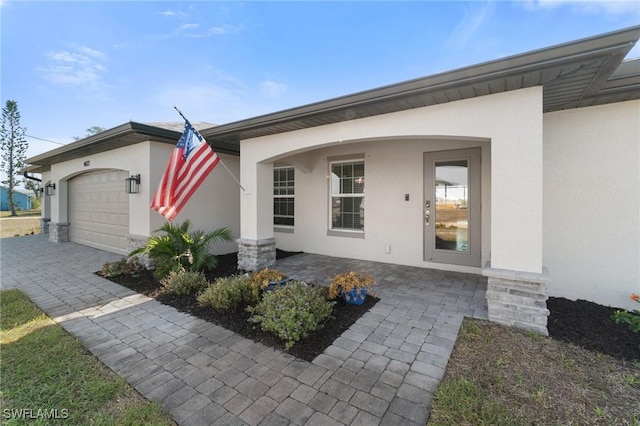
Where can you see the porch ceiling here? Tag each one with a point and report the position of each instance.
(582, 73)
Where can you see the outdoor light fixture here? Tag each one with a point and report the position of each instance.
(50, 189)
(39, 192)
(132, 184)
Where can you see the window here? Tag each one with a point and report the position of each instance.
(283, 196)
(347, 195)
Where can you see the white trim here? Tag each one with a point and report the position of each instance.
(279, 227)
(285, 229)
(349, 232)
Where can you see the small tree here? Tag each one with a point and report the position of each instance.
(36, 187)
(14, 149)
(93, 130)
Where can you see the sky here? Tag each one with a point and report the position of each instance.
(73, 65)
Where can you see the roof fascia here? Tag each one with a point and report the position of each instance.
(614, 43)
(116, 132)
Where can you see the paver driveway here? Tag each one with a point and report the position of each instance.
(383, 370)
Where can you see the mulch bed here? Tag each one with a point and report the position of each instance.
(590, 326)
(342, 317)
(582, 323)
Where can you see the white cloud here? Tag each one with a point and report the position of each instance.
(211, 31)
(122, 45)
(471, 21)
(218, 30)
(610, 7)
(168, 13)
(199, 102)
(79, 66)
(188, 27)
(87, 51)
(220, 99)
(272, 88)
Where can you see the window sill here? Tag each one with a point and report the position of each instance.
(283, 229)
(348, 234)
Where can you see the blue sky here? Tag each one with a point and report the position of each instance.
(77, 64)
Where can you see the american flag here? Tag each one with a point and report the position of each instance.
(191, 162)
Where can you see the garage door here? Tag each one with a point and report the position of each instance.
(99, 210)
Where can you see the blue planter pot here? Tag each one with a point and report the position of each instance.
(275, 284)
(355, 296)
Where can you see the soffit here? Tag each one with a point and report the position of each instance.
(573, 75)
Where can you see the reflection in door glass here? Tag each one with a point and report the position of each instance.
(452, 205)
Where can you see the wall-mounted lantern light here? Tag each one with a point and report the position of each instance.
(132, 184)
(50, 189)
(39, 192)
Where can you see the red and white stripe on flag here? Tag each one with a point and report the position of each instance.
(191, 162)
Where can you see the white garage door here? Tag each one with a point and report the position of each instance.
(99, 210)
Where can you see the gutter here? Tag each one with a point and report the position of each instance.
(605, 45)
(122, 130)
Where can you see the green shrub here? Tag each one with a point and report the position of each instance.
(181, 249)
(291, 312)
(227, 293)
(631, 318)
(184, 282)
(123, 266)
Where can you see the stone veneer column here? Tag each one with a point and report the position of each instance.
(254, 255)
(58, 232)
(135, 242)
(518, 299)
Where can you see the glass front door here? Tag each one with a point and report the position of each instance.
(452, 207)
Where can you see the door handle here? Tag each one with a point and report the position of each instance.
(427, 213)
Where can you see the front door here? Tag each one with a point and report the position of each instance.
(451, 207)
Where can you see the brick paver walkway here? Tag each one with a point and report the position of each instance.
(383, 370)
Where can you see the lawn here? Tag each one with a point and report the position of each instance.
(26, 223)
(21, 213)
(48, 377)
(502, 376)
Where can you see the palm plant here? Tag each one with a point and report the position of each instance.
(180, 249)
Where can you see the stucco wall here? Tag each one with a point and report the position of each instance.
(592, 203)
(45, 204)
(393, 168)
(130, 158)
(511, 121)
(215, 204)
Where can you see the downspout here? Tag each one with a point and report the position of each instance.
(26, 175)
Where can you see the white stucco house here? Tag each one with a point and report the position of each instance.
(85, 198)
(525, 169)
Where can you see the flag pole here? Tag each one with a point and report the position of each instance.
(220, 159)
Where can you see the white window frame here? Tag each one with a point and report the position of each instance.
(344, 232)
(284, 228)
